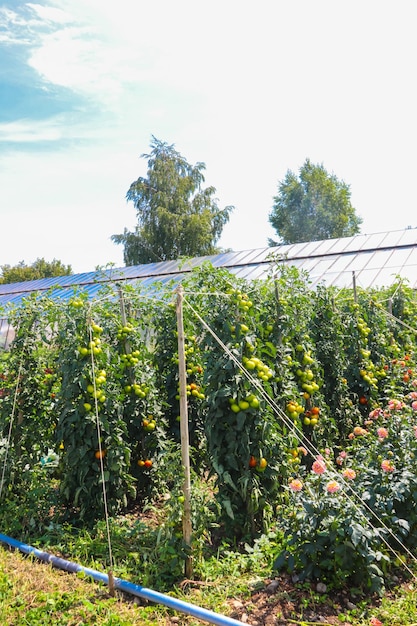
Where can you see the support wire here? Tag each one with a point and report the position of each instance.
(310, 447)
(9, 434)
(103, 481)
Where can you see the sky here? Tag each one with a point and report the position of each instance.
(250, 89)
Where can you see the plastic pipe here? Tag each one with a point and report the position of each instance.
(123, 585)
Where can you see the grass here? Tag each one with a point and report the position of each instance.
(399, 608)
(32, 593)
(35, 594)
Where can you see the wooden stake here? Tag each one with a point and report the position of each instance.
(112, 592)
(185, 449)
(355, 295)
(126, 342)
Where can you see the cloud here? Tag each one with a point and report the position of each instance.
(250, 90)
(25, 131)
(50, 14)
(20, 25)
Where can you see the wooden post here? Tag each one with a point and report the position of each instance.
(122, 305)
(355, 294)
(185, 451)
(126, 342)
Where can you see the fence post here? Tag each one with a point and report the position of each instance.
(185, 451)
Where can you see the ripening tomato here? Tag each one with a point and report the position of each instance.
(252, 462)
(100, 454)
(262, 464)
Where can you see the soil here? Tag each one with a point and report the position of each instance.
(282, 602)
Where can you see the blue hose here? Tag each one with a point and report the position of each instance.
(123, 585)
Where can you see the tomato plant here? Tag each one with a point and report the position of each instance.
(30, 382)
(90, 419)
(242, 435)
(167, 376)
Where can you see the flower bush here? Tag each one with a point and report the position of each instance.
(324, 536)
(347, 518)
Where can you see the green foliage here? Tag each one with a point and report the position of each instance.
(383, 453)
(312, 207)
(275, 372)
(165, 354)
(39, 269)
(250, 366)
(332, 340)
(237, 425)
(350, 520)
(176, 217)
(91, 443)
(30, 381)
(30, 499)
(325, 539)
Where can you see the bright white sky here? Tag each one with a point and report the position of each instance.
(250, 89)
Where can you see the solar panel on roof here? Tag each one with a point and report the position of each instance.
(376, 260)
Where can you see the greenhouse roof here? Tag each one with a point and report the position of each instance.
(370, 261)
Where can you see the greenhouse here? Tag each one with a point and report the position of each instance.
(375, 260)
(368, 261)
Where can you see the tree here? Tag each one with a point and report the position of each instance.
(312, 207)
(39, 269)
(176, 216)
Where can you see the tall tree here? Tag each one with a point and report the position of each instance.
(39, 269)
(314, 206)
(176, 216)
